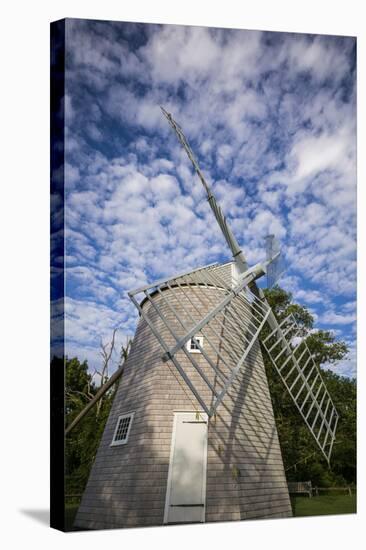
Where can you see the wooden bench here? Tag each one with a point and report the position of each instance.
(300, 487)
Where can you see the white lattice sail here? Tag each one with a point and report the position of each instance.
(301, 376)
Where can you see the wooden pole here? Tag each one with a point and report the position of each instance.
(113, 379)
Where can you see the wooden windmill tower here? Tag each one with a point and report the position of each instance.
(191, 436)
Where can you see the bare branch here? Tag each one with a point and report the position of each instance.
(106, 353)
(104, 386)
(83, 394)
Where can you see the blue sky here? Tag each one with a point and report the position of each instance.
(271, 118)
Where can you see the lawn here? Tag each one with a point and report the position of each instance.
(323, 505)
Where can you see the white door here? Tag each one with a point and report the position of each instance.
(186, 490)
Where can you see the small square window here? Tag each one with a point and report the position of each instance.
(122, 430)
(192, 344)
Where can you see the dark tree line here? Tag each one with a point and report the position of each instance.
(83, 439)
(82, 442)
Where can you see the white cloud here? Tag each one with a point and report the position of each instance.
(318, 57)
(265, 223)
(333, 318)
(310, 296)
(314, 154)
(348, 365)
(278, 153)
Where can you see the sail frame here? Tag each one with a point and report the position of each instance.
(302, 378)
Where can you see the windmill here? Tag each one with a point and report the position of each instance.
(191, 436)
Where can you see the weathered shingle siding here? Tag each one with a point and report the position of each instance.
(245, 475)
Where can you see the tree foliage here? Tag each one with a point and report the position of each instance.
(82, 442)
(80, 387)
(303, 460)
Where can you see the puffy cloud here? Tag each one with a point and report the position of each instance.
(271, 119)
(348, 365)
(333, 318)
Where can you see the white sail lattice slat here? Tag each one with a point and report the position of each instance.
(298, 371)
(203, 303)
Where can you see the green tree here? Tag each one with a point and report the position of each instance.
(302, 459)
(82, 443)
(79, 386)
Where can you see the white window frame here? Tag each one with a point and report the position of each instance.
(125, 440)
(200, 341)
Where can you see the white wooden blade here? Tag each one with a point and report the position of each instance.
(301, 376)
(220, 218)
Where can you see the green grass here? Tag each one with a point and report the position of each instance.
(323, 505)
